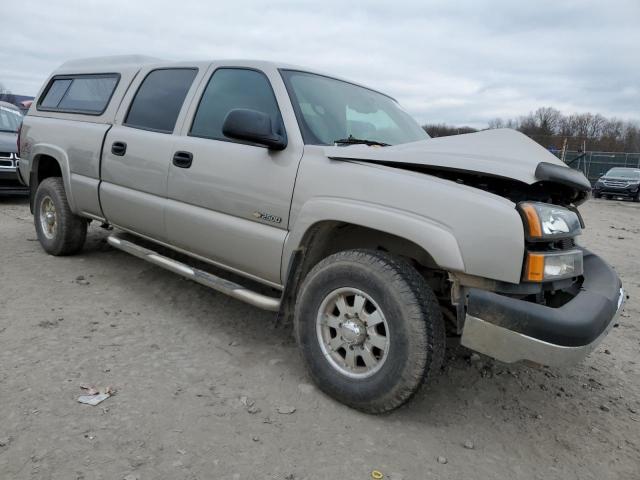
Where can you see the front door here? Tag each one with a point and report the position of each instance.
(229, 202)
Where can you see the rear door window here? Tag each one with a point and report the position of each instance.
(87, 94)
(159, 99)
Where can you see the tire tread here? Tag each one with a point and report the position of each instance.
(425, 323)
(73, 229)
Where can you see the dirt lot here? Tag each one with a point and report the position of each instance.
(200, 379)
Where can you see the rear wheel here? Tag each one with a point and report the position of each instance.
(369, 328)
(59, 231)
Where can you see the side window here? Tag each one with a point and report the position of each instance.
(159, 99)
(229, 89)
(88, 94)
(55, 93)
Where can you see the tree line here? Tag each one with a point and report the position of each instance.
(551, 128)
(547, 126)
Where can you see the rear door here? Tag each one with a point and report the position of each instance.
(230, 202)
(138, 151)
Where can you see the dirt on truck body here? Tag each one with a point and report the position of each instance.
(371, 238)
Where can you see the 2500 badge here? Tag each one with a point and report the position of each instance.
(267, 217)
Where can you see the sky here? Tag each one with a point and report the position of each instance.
(460, 62)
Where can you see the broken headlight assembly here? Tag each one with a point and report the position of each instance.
(544, 222)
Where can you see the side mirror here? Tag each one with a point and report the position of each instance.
(252, 126)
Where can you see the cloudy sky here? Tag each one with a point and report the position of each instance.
(461, 62)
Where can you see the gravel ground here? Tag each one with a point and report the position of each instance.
(202, 380)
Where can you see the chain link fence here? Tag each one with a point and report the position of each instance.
(596, 164)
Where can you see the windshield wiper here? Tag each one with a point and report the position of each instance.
(359, 141)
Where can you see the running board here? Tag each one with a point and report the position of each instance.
(204, 278)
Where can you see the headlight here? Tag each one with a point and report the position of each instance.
(545, 222)
(548, 266)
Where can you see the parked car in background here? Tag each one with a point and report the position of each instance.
(10, 121)
(619, 182)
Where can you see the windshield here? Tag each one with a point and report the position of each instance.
(329, 110)
(10, 119)
(624, 173)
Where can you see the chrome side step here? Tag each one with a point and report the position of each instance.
(204, 278)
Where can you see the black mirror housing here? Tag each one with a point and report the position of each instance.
(252, 126)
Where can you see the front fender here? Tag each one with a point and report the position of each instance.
(436, 239)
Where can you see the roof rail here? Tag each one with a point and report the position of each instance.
(110, 61)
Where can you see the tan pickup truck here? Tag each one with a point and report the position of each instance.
(331, 205)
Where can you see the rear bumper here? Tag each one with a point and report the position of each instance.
(513, 330)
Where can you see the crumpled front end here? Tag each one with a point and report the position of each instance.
(512, 330)
(565, 298)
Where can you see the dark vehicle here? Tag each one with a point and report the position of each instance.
(619, 182)
(10, 121)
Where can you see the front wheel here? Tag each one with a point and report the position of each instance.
(59, 231)
(370, 329)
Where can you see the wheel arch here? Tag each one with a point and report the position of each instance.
(326, 226)
(50, 161)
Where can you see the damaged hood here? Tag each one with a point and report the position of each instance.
(502, 153)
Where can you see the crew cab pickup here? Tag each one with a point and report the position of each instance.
(328, 204)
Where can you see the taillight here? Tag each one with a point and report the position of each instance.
(18, 141)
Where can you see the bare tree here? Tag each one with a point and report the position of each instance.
(442, 130)
(496, 123)
(547, 120)
(631, 138)
(513, 124)
(551, 129)
(6, 95)
(528, 125)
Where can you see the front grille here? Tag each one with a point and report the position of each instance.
(6, 163)
(5, 154)
(553, 246)
(566, 243)
(616, 183)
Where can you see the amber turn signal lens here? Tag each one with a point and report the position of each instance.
(549, 266)
(534, 271)
(533, 221)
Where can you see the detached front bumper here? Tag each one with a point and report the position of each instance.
(512, 330)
